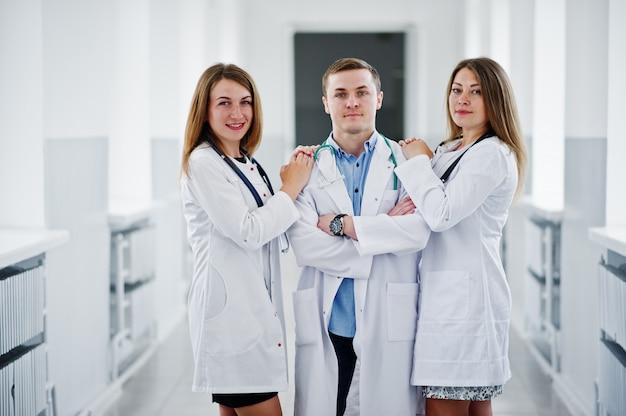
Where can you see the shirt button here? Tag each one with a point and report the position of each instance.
(280, 345)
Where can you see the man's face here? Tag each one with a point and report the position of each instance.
(352, 101)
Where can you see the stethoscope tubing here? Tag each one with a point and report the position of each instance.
(283, 240)
(332, 151)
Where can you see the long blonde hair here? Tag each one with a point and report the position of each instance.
(499, 101)
(198, 129)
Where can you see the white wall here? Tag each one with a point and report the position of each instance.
(129, 159)
(521, 20)
(165, 69)
(522, 59)
(166, 132)
(77, 287)
(21, 114)
(78, 67)
(548, 102)
(616, 168)
(585, 130)
(77, 80)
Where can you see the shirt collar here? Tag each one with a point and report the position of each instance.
(368, 146)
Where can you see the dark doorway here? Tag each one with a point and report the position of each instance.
(315, 52)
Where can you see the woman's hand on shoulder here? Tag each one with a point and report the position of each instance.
(414, 147)
(307, 150)
(295, 174)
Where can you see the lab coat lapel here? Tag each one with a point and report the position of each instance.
(380, 173)
(336, 189)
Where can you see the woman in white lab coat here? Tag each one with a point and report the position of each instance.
(234, 223)
(461, 345)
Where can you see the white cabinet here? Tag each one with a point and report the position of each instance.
(542, 289)
(25, 389)
(611, 382)
(133, 269)
(23, 376)
(612, 318)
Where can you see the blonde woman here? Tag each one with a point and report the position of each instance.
(234, 225)
(461, 345)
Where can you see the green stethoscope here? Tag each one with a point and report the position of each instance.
(325, 145)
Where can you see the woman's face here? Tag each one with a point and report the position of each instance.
(230, 112)
(466, 104)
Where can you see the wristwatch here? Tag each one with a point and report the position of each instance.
(336, 225)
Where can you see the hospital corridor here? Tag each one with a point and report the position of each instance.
(161, 387)
(95, 262)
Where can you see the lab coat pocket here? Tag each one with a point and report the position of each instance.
(306, 316)
(390, 199)
(229, 324)
(445, 295)
(236, 328)
(401, 311)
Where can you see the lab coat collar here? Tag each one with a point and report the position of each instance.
(380, 171)
(368, 146)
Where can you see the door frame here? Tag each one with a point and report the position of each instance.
(411, 106)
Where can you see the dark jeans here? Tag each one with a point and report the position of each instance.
(347, 360)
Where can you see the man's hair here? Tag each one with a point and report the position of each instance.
(346, 64)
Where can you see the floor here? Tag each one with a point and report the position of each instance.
(162, 386)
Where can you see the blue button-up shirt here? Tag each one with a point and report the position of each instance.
(354, 170)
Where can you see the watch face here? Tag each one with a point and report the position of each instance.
(336, 226)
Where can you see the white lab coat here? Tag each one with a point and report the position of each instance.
(237, 330)
(465, 303)
(385, 288)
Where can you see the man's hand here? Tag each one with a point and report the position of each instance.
(403, 207)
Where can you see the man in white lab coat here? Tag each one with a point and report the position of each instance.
(358, 243)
